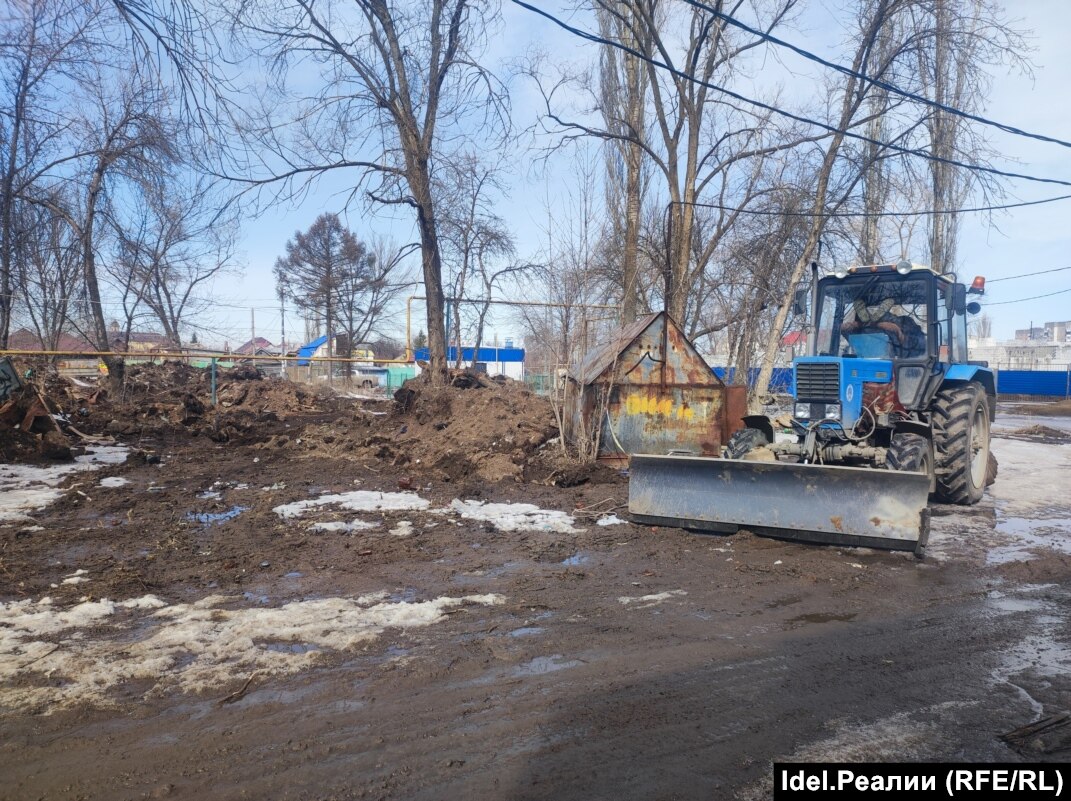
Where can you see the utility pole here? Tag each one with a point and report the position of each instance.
(253, 330)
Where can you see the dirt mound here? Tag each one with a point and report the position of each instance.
(176, 394)
(173, 398)
(1041, 433)
(1060, 408)
(473, 428)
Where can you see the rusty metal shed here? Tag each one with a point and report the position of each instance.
(652, 393)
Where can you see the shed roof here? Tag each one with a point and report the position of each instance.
(305, 352)
(598, 360)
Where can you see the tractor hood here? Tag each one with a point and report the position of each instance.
(818, 382)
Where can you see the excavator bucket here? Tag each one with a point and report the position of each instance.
(865, 507)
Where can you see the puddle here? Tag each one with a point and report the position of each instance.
(216, 518)
(527, 631)
(542, 665)
(293, 647)
(1003, 603)
(293, 574)
(255, 597)
(823, 617)
(576, 559)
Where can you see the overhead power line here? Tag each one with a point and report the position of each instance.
(1034, 297)
(888, 87)
(588, 36)
(870, 214)
(1027, 275)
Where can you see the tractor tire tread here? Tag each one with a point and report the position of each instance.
(951, 413)
(907, 453)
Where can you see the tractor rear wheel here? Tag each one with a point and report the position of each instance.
(960, 417)
(911, 453)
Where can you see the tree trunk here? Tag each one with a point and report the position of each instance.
(115, 364)
(431, 261)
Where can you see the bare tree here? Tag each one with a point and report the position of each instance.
(42, 45)
(963, 38)
(49, 278)
(172, 244)
(850, 99)
(623, 89)
(478, 249)
(400, 85)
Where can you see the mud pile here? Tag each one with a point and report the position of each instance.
(473, 428)
(169, 398)
(161, 396)
(28, 431)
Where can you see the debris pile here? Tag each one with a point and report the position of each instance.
(474, 427)
(28, 429)
(158, 397)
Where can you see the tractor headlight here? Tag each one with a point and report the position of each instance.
(904, 267)
(833, 411)
(803, 411)
(840, 271)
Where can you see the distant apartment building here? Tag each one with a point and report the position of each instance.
(1050, 332)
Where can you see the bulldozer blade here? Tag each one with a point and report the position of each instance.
(865, 507)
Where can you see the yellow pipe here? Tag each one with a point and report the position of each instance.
(217, 357)
(411, 298)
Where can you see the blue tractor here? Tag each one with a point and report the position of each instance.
(887, 412)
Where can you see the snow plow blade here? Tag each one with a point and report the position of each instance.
(864, 507)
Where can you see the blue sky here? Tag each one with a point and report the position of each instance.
(1025, 240)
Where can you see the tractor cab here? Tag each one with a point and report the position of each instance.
(888, 324)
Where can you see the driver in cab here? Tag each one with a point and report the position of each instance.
(906, 335)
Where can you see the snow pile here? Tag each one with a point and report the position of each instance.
(610, 520)
(111, 482)
(642, 601)
(190, 647)
(342, 527)
(516, 516)
(356, 501)
(28, 488)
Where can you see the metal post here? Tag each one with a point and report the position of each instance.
(213, 382)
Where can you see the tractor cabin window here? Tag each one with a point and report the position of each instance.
(874, 318)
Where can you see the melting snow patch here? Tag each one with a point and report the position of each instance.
(77, 577)
(27, 488)
(650, 600)
(190, 647)
(403, 529)
(341, 527)
(357, 501)
(610, 520)
(516, 516)
(114, 481)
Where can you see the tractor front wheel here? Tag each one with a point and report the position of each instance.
(960, 416)
(911, 453)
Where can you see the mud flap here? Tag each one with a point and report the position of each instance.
(865, 507)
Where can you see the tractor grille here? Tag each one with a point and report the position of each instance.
(818, 381)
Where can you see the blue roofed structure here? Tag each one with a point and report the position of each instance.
(496, 361)
(485, 354)
(306, 352)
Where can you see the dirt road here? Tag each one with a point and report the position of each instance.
(253, 623)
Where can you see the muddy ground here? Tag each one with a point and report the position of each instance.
(218, 644)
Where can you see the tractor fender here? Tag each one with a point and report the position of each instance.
(966, 373)
(914, 427)
(762, 423)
